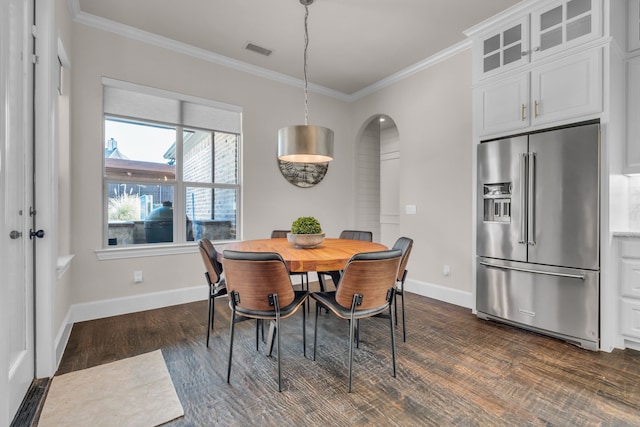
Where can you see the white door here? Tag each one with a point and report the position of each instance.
(16, 178)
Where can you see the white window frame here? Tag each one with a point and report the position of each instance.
(229, 121)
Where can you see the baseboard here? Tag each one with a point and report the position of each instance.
(124, 305)
(632, 345)
(132, 304)
(62, 338)
(442, 293)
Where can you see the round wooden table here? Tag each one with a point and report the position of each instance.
(331, 254)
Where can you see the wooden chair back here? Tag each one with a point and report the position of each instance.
(370, 274)
(255, 276)
(211, 263)
(404, 244)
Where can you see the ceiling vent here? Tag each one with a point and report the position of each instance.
(258, 49)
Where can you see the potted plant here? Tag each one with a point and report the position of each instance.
(306, 232)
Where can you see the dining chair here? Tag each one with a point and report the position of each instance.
(405, 244)
(365, 236)
(366, 288)
(259, 287)
(304, 276)
(215, 280)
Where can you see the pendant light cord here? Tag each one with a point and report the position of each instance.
(306, 46)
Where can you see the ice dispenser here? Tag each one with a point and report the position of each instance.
(497, 202)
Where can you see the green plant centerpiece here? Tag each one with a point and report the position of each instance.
(306, 232)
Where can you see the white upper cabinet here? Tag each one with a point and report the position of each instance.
(563, 25)
(534, 34)
(504, 49)
(535, 66)
(568, 88)
(559, 90)
(503, 106)
(633, 40)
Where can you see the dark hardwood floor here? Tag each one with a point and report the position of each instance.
(454, 369)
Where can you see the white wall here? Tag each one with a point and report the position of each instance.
(63, 286)
(269, 201)
(432, 111)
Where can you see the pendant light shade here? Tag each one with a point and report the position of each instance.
(305, 143)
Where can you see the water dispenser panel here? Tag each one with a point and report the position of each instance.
(497, 202)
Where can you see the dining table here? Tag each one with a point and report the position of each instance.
(330, 255)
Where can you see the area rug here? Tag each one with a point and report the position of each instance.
(131, 392)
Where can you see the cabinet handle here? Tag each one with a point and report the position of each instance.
(537, 49)
(535, 109)
(524, 53)
(522, 112)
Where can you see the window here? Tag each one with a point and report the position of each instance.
(171, 167)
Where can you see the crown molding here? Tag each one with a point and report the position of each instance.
(186, 49)
(413, 69)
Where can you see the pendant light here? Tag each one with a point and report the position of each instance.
(305, 143)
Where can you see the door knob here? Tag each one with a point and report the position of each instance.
(15, 234)
(39, 234)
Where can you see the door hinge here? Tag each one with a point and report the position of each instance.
(32, 212)
(35, 59)
(34, 31)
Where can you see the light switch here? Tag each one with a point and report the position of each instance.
(410, 209)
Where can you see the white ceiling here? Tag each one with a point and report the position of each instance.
(353, 43)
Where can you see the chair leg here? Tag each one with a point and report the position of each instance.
(404, 323)
(304, 328)
(395, 306)
(393, 340)
(277, 307)
(315, 331)
(352, 327)
(210, 319)
(306, 276)
(233, 322)
(321, 282)
(258, 323)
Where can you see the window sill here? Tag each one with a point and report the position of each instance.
(139, 251)
(145, 251)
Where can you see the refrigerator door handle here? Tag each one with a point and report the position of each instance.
(523, 204)
(527, 270)
(531, 196)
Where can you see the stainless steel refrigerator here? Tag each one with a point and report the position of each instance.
(538, 232)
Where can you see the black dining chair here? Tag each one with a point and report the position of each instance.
(304, 276)
(215, 280)
(259, 287)
(365, 236)
(366, 288)
(405, 244)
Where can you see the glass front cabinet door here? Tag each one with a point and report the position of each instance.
(503, 50)
(563, 25)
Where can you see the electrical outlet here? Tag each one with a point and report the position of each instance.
(446, 270)
(137, 277)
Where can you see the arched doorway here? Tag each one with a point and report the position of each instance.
(377, 179)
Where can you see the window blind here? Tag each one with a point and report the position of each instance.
(143, 102)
